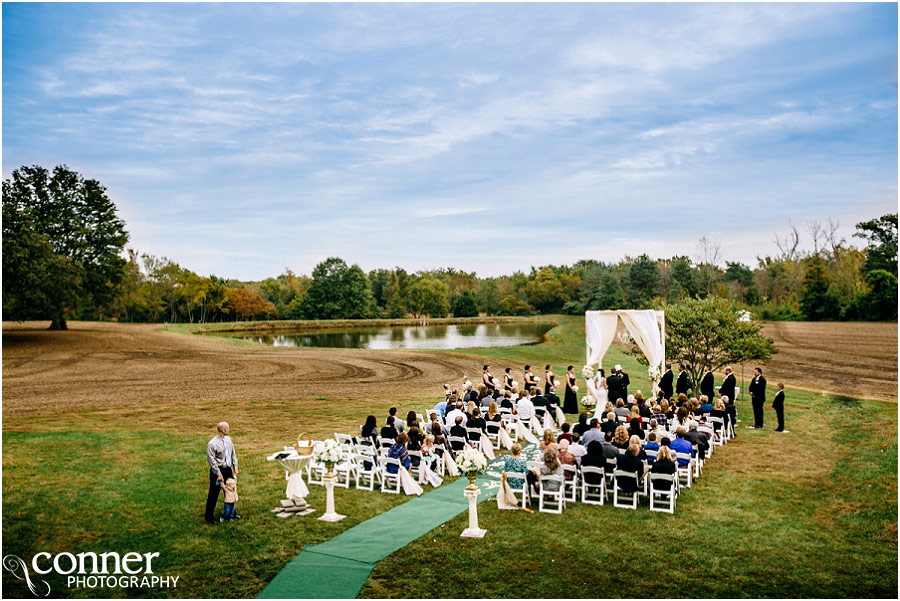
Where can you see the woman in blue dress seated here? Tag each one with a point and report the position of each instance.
(398, 451)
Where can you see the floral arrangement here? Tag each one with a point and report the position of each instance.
(328, 452)
(587, 372)
(515, 384)
(654, 373)
(471, 461)
(574, 389)
(589, 402)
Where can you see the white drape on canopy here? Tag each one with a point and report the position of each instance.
(646, 327)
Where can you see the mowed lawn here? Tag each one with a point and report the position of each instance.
(808, 514)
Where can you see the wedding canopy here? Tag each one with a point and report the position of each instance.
(647, 328)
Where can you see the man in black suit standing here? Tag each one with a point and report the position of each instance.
(727, 390)
(758, 395)
(614, 386)
(665, 383)
(708, 384)
(683, 384)
(778, 406)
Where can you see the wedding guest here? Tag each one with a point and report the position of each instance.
(594, 458)
(477, 421)
(634, 440)
(566, 458)
(610, 451)
(664, 463)
(429, 453)
(659, 413)
(506, 403)
(493, 415)
(582, 426)
(411, 420)
(629, 462)
(514, 462)
(642, 406)
(514, 394)
(456, 412)
(524, 408)
(680, 445)
(651, 445)
(595, 433)
(223, 464)
(231, 497)
(549, 382)
(577, 449)
(565, 433)
(438, 434)
(705, 405)
(441, 407)
(458, 430)
(635, 430)
(550, 466)
(635, 414)
(389, 430)
(470, 411)
(610, 425)
(415, 439)
(621, 410)
(369, 431)
(720, 412)
(552, 399)
(620, 438)
(398, 451)
(778, 406)
(548, 440)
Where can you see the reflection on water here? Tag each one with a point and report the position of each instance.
(412, 337)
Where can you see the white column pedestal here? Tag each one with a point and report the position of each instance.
(330, 514)
(473, 531)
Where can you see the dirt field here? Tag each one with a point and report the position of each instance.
(853, 359)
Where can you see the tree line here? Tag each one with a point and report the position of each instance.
(65, 256)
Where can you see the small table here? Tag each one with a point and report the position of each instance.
(293, 464)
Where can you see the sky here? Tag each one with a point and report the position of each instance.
(241, 139)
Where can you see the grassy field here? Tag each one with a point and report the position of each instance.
(808, 514)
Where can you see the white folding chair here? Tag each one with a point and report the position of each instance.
(366, 476)
(610, 470)
(384, 445)
(555, 500)
(593, 485)
(315, 473)
(651, 454)
(345, 471)
(521, 492)
(493, 434)
(698, 463)
(343, 438)
(474, 434)
(439, 467)
(415, 462)
(685, 471)
(619, 476)
(663, 486)
(571, 491)
(457, 443)
(390, 482)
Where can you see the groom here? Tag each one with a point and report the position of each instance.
(617, 383)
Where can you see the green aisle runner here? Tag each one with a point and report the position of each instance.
(338, 568)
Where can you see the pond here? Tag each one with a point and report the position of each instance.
(409, 337)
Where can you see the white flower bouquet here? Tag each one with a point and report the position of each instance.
(515, 384)
(471, 462)
(654, 373)
(328, 452)
(574, 389)
(587, 372)
(589, 402)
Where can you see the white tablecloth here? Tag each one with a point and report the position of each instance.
(294, 465)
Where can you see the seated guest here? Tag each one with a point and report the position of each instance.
(659, 413)
(635, 414)
(469, 392)
(621, 410)
(665, 441)
(548, 440)
(705, 428)
(682, 399)
(620, 438)
(630, 462)
(664, 463)
(694, 437)
(454, 413)
(477, 421)
(514, 394)
(577, 449)
(654, 427)
(582, 426)
(610, 451)
(470, 408)
(721, 412)
(411, 420)
(680, 445)
(565, 433)
(524, 408)
(506, 402)
(594, 458)
(393, 419)
(565, 457)
(651, 445)
(669, 409)
(552, 399)
(634, 429)
(595, 433)
(683, 419)
(369, 431)
(441, 407)
(493, 415)
(705, 405)
(434, 421)
(513, 462)
(389, 431)
(643, 407)
(610, 425)
(539, 402)
(550, 466)
(438, 434)
(641, 454)
(398, 451)
(458, 430)
(415, 439)
(481, 393)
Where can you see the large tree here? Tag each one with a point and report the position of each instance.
(63, 233)
(712, 331)
(428, 296)
(881, 234)
(337, 292)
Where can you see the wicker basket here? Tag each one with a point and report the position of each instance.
(304, 449)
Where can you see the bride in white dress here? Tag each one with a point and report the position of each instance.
(602, 393)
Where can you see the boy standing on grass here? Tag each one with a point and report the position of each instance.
(778, 406)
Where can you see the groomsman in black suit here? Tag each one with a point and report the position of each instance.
(778, 406)
(552, 401)
(665, 383)
(727, 390)
(708, 384)
(758, 395)
(617, 383)
(683, 384)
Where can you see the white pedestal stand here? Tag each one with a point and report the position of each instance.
(330, 514)
(473, 531)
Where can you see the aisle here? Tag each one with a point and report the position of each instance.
(338, 568)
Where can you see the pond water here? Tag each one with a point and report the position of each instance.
(409, 337)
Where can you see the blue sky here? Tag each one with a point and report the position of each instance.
(242, 139)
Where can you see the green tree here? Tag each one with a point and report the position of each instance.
(464, 305)
(513, 305)
(881, 302)
(488, 296)
(337, 292)
(381, 282)
(817, 301)
(428, 296)
(881, 235)
(711, 331)
(685, 280)
(397, 294)
(643, 277)
(78, 220)
(545, 292)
